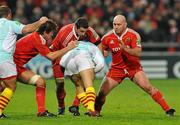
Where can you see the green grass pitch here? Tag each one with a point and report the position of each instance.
(125, 105)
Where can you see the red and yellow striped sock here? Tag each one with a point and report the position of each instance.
(5, 98)
(82, 98)
(90, 94)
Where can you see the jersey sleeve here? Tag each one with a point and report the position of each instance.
(41, 46)
(93, 36)
(104, 42)
(56, 44)
(17, 27)
(136, 40)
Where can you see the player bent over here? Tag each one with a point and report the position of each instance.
(80, 30)
(30, 46)
(125, 46)
(80, 65)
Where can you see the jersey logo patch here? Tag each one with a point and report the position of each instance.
(128, 39)
(111, 42)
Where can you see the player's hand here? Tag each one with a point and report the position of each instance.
(72, 44)
(122, 46)
(43, 19)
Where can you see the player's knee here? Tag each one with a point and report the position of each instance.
(59, 82)
(37, 80)
(150, 89)
(12, 86)
(41, 82)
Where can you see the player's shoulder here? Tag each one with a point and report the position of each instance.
(67, 27)
(108, 34)
(90, 29)
(133, 33)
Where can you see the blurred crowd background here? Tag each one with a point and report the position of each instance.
(155, 20)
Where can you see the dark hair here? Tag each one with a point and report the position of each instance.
(81, 22)
(47, 27)
(4, 11)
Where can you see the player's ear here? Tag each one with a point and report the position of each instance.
(126, 25)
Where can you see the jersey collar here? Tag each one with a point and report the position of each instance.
(120, 37)
(42, 40)
(74, 32)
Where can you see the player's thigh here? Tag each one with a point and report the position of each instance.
(58, 72)
(107, 85)
(142, 80)
(87, 77)
(10, 82)
(29, 77)
(76, 79)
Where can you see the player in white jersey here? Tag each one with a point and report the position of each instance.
(8, 33)
(80, 65)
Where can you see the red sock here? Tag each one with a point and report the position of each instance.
(40, 98)
(60, 93)
(158, 97)
(76, 101)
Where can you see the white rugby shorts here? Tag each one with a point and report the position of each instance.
(77, 64)
(8, 69)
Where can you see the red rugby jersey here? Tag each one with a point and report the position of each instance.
(67, 33)
(121, 59)
(28, 47)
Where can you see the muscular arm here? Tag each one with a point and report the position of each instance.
(59, 53)
(33, 26)
(100, 47)
(133, 51)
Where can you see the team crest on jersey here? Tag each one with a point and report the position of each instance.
(111, 42)
(127, 39)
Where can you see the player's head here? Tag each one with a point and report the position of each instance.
(5, 12)
(81, 26)
(119, 24)
(48, 30)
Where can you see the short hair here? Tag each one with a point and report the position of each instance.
(81, 22)
(4, 11)
(48, 26)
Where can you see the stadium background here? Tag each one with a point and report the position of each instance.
(157, 21)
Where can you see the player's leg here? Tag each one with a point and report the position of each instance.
(8, 74)
(80, 93)
(142, 81)
(106, 87)
(28, 77)
(87, 77)
(60, 90)
(7, 93)
(2, 86)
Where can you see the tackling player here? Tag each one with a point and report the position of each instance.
(125, 46)
(30, 46)
(8, 34)
(79, 30)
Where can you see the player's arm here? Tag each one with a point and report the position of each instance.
(94, 38)
(59, 53)
(135, 47)
(33, 26)
(104, 46)
(133, 51)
